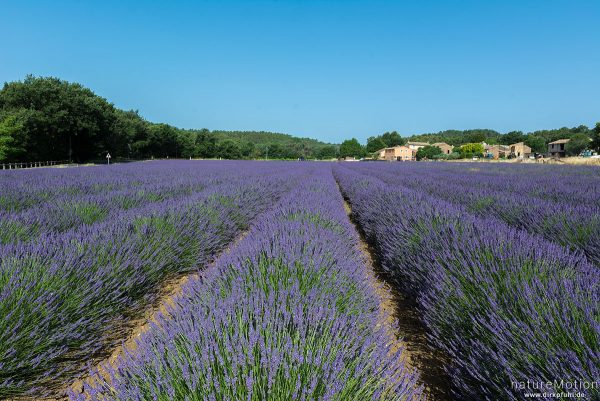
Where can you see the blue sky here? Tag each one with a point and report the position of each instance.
(323, 69)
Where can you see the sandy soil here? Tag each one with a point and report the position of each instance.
(400, 318)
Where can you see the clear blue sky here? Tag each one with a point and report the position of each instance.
(323, 69)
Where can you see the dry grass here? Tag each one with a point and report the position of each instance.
(587, 161)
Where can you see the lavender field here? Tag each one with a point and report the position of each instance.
(501, 263)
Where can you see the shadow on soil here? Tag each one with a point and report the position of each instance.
(428, 361)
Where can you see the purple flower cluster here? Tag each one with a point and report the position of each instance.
(560, 203)
(284, 315)
(505, 304)
(65, 292)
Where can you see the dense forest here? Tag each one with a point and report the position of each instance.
(51, 119)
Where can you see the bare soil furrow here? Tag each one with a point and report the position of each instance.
(400, 318)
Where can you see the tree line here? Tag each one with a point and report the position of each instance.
(467, 143)
(45, 118)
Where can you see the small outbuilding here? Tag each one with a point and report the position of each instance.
(396, 153)
(496, 151)
(446, 149)
(557, 148)
(520, 150)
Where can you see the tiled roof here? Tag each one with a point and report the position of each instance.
(559, 141)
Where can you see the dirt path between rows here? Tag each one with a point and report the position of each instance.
(400, 318)
(167, 294)
(398, 315)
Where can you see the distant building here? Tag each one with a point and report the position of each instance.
(446, 149)
(496, 151)
(520, 150)
(416, 145)
(350, 159)
(397, 153)
(557, 148)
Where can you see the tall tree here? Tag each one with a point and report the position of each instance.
(471, 149)
(512, 137)
(596, 137)
(229, 149)
(63, 118)
(375, 143)
(392, 139)
(428, 152)
(11, 137)
(351, 148)
(163, 141)
(577, 144)
(536, 143)
(130, 136)
(327, 152)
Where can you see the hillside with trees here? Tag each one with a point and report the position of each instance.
(581, 137)
(536, 140)
(52, 119)
(457, 137)
(44, 118)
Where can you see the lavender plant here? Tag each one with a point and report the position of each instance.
(564, 207)
(64, 296)
(507, 306)
(285, 315)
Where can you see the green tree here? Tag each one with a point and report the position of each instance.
(536, 143)
(512, 137)
(596, 137)
(577, 144)
(206, 144)
(11, 133)
(229, 149)
(247, 149)
(428, 152)
(375, 143)
(351, 148)
(61, 116)
(163, 141)
(186, 144)
(392, 139)
(7, 128)
(475, 137)
(471, 149)
(327, 152)
(130, 137)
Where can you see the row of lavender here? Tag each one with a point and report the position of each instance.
(285, 315)
(576, 184)
(65, 295)
(30, 188)
(507, 306)
(61, 200)
(561, 204)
